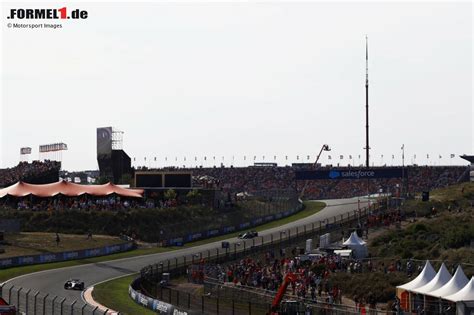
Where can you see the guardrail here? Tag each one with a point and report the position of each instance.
(156, 305)
(63, 256)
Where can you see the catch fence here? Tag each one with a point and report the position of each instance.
(150, 276)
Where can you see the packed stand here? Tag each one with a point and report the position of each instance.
(35, 172)
(251, 179)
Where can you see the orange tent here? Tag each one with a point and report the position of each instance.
(22, 189)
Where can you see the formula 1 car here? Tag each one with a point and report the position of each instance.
(248, 235)
(6, 309)
(74, 284)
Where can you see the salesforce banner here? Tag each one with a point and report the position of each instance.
(363, 173)
(53, 257)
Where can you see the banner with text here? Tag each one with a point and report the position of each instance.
(364, 173)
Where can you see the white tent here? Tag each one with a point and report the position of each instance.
(358, 246)
(425, 276)
(441, 278)
(466, 294)
(457, 282)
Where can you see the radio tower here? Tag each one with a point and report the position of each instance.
(367, 148)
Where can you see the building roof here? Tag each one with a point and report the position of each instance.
(21, 189)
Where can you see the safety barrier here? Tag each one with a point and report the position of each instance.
(150, 277)
(180, 241)
(155, 305)
(63, 256)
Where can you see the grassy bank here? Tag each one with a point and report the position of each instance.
(114, 294)
(35, 243)
(440, 235)
(5, 274)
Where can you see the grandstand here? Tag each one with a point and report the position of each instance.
(36, 172)
(250, 179)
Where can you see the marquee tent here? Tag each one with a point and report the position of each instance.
(403, 291)
(457, 282)
(441, 278)
(425, 276)
(21, 189)
(358, 246)
(466, 294)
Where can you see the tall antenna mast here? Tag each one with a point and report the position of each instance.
(367, 148)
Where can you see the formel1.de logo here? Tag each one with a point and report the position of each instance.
(47, 14)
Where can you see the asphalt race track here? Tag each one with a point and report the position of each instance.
(52, 281)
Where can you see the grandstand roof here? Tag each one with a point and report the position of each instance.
(21, 189)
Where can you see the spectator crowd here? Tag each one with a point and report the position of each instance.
(251, 179)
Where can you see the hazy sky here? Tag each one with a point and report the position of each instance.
(240, 79)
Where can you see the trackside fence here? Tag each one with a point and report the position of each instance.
(32, 302)
(149, 282)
